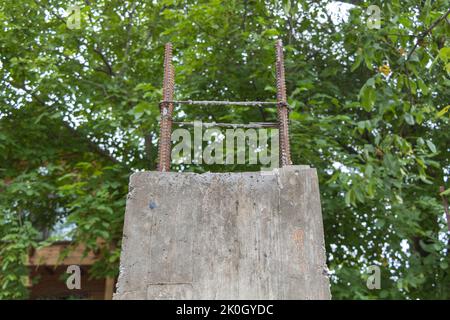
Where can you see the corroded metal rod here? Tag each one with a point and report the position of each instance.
(251, 125)
(230, 103)
(166, 109)
(282, 110)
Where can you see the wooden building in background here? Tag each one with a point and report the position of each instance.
(48, 274)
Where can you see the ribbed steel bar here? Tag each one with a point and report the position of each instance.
(268, 104)
(166, 109)
(251, 125)
(282, 110)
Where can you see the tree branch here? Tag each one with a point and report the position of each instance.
(105, 61)
(75, 133)
(425, 33)
(96, 47)
(128, 41)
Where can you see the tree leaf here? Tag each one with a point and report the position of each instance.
(431, 146)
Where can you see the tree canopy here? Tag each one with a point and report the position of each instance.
(79, 113)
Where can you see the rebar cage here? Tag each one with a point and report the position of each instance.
(167, 107)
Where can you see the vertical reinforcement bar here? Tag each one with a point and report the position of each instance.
(166, 109)
(282, 109)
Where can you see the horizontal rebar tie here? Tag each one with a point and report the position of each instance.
(267, 104)
(254, 125)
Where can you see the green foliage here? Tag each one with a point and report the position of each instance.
(379, 140)
(16, 240)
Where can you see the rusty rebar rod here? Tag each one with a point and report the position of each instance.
(251, 125)
(166, 111)
(282, 110)
(268, 104)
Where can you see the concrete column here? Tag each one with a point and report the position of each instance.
(224, 236)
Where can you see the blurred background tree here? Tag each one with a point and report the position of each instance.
(79, 113)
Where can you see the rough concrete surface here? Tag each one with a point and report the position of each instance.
(224, 236)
